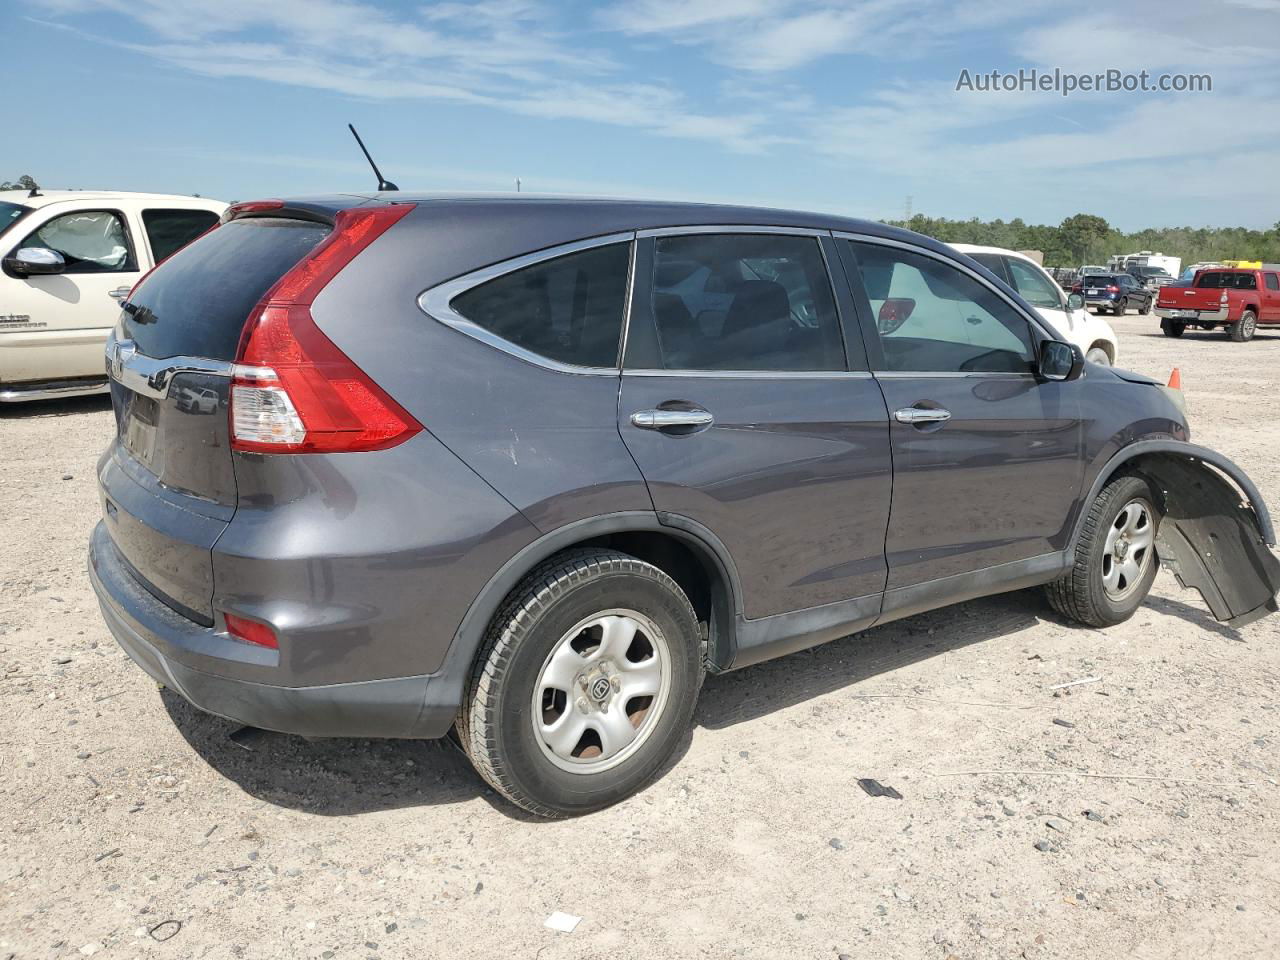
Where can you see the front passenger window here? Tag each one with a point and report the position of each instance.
(1035, 288)
(933, 318)
(90, 241)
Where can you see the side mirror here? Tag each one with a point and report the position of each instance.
(29, 261)
(1075, 302)
(1060, 361)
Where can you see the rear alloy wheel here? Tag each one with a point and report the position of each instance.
(1099, 356)
(1244, 328)
(585, 685)
(1115, 558)
(1172, 328)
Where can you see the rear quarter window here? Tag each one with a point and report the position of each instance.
(568, 309)
(195, 304)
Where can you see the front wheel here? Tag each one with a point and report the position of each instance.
(1146, 308)
(1115, 559)
(1099, 356)
(1172, 328)
(585, 684)
(1244, 328)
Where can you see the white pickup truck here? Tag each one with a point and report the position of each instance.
(67, 257)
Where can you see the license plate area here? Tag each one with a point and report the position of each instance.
(139, 429)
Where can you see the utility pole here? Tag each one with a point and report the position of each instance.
(517, 184)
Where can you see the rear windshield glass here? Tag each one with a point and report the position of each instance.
(196, 303)
(1098, 279)
(1228, 281)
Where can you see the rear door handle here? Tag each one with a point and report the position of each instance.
(918, 415)
(661, 419)
(119, 293)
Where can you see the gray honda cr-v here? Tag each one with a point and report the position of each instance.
(528, 468)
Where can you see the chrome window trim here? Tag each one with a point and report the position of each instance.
(754, 374)
(953, 375)
(152, 377)
(699, 228)
(436, 302)
(1034, 321)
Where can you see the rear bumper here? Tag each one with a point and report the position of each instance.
(51, 390)
(1201, 316)
(159, 640)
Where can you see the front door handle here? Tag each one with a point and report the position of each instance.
(119, 293)
(919, 415)
(662, 419)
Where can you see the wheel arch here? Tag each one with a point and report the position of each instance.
(1144, 456)
(685, 550)
(1216, 529)
(1106, 346)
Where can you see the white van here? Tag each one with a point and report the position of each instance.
(67, 257)
(1090, 333)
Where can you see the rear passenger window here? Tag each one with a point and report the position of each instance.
(568, 309)
(744, 302)
(1273, 282)
(170, 230)
(933, 318)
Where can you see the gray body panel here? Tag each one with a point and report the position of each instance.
(813, 514)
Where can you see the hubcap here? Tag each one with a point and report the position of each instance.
(601, 691)
(1127, 550)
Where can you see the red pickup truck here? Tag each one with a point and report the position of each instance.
(1238, 300)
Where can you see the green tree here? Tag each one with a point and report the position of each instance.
(1082, 234)
(24, 182)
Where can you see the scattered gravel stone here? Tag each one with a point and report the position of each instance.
(836, 843)
(1057, 823)
(1044, 846)
(1063, 723)
(1094, 815)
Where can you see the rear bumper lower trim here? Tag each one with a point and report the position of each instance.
(399, 707)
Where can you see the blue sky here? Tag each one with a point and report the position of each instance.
(842, 107)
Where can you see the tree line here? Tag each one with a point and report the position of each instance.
(1086, 238)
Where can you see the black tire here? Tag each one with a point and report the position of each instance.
(1172, 328)
(1146, 307)
(1243, 329)
(496, 722)
(1120, 307)
(1080, 595)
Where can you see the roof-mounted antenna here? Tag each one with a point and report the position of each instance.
(383, 184)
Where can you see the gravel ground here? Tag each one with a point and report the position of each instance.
(134, 826)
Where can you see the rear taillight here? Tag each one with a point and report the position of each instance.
(1113, 289)
(292, 389)
(1224, 298)
(251, 631)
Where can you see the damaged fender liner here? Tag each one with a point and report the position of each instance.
(1211, 538)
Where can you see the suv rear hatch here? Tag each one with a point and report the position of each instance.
(168, 479)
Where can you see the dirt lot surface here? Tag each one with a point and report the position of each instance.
(133, 826)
